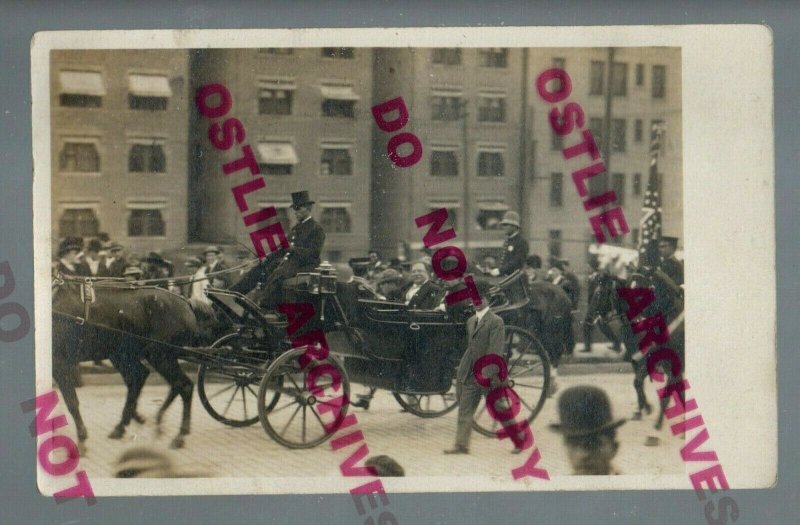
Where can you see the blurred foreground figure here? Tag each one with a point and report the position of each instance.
(385, 466)
(145, 462)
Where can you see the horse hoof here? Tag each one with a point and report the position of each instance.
(178, 442)
(648, 409)
(82, 450)
(117, 433)
(139, 419)
(637, 416)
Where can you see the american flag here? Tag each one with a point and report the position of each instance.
(650, 225)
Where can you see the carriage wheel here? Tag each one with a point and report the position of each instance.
(227, 390)
(428, 405)
(528, 376)
(314, 400)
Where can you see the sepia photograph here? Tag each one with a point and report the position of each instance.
(276, 267)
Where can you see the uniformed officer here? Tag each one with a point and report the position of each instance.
(670, 264)
(515, 248)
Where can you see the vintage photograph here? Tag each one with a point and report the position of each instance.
(276, 263)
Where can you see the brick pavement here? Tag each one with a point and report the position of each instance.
(416, 443)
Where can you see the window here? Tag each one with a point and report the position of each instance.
(148, 158)
(493, 57)
(558, 63)
(445, 106)
(554, 243)
(637, 130)
(597, 77)
(79, 157)
(81, 89)
(596, 126)
(275, 97)
(276, 158)
(556, 190)
(618, 186)
(618, 132)
(659, 81)
(637, 184)
(450, 56)
(639, 74)
(444, 163)
(338, 52)
(619, 74)
(491, 164)
(276, 50)
(492, 108)
(335, 219)
(146, 223)
(79, 222)
(490, 215)
(339, 101)
(654, 124)
(336, 161)
(452, 213)
(148, 92)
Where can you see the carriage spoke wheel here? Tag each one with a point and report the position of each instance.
(313, 400)
(528, 375)
(227, 390)
(428, 405)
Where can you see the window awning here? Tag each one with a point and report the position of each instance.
(446, 92)
(443, 204)
(149, 85)
(493, 206)
(146, 204)
(339, 92)
(82, 83)
(491, 149)
(277, 153)
(275, 83)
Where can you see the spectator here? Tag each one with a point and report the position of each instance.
(94, 261)
(115, 262)
(589, 431)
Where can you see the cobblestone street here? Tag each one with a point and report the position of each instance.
(416, 443)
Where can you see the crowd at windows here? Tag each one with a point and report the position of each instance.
(147, 158)
(445, 106)
(79, 157)
(444, 163)
(492, 108)
(146, 223)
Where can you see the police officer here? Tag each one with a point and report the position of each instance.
(515, 248)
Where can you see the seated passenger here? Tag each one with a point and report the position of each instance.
(421, 293)
(460, 311)
(390, 284)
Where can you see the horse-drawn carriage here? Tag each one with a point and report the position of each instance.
(253, 373)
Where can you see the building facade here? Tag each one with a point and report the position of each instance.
(307, 115)
(465, 106)
(119, 132)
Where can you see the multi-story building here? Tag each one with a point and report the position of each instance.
(119, 131)
(307, 115)
(644, 89)
(466, 107)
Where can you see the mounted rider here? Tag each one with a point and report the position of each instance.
(306, 240)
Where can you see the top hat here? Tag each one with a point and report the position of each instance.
(212, 249)
(69, 244)
(584, 410)
(512, 218)
(300, 199)
(672, 240)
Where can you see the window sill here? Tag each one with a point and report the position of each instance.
(155, 237)
(81, 173)
(134, 173)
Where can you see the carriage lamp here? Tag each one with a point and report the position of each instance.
(327, 274)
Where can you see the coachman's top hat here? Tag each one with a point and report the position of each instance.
(584, 410)
(300, 199)
(512, 218)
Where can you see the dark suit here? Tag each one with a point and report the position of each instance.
(570, 284)
(484, 337)
(78, 270)
(673, 268)
(426, 298)
(515, 252)
(224, 277)
(116, 268)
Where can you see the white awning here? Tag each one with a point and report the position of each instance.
(491, 148)
(493, 206)
(149, 85)
(82, 83)
(339, 92)
(155, 204)
(446, 92)
(444, 204)
(277, 153)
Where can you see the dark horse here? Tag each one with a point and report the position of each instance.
(550, 320)
(125, 323)
(668, 303)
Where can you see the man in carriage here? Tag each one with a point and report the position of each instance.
(306, 240)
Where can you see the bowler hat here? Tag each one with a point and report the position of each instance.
(512, 218)
(584, 410)
(70, 244)
(212, 249)
(300, 199)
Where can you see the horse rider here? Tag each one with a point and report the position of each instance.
(596, 313)
(306, 240)
(515, 248)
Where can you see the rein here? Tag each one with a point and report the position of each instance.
(121, 282)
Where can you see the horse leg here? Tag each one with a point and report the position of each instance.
(134, 373)
(640, 373)
(180, 384)
(65, 379)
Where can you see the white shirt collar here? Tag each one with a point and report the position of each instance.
(480, 315)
